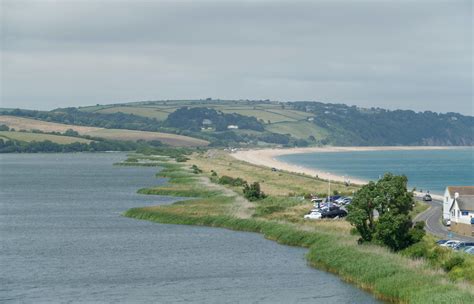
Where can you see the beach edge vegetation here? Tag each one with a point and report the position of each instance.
(388, 276)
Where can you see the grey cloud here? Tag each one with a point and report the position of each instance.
(393, 54)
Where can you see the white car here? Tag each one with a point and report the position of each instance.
(314, 215)
(450, 243)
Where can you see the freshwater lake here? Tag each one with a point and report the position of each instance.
(431, 170)
(63, 239)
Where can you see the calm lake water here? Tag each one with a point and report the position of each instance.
(63, 240)
(427, 170)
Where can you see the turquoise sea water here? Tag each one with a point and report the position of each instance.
(431, 170)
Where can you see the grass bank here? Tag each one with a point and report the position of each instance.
(389, 276)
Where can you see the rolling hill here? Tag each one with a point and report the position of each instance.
(258, 122)
(30, 136)
(23, 123)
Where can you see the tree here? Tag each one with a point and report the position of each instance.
(71, 132)
(253, 192)
(390, 198)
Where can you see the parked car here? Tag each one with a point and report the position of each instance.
(317, 202)
(347, 201)
(327, 209)
(334, 213)
(450, 243)
(470, 250)
(462, 245)
(467, 248)
(427, 198)
(313, 215)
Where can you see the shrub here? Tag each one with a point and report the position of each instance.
(453, 262)
(227, 180)
(181, 159)
(252, 192)
(196, 169)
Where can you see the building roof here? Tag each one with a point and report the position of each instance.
(466, 202)
(462, 190)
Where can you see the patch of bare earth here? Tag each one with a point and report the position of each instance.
(241, 207)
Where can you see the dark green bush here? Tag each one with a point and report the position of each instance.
(453, 262)
(252, 192)
(196, 169)
(227, 180)
(181, 159)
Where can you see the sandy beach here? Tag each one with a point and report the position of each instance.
(267, 158)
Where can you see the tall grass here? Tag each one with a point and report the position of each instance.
(387, 275)
(383, 276)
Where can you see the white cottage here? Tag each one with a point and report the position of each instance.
(449, 197)
(461, 209)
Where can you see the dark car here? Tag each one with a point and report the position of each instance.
(334, 213)
(427, 198)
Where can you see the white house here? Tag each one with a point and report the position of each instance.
(449, 197)
(461, 209)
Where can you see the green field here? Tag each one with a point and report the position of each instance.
(28, 124)
(276, 118)
(150, 112)
(272, 112)
(298, 129)
(29, 137)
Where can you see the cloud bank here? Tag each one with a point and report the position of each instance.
(391, 54)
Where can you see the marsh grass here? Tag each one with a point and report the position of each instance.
(380, 274)
(277, 183)
(389, 276)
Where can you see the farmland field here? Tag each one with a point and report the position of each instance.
(150, 112)
(299, 129)
(21, 123)
(29, 137)
(268, 112)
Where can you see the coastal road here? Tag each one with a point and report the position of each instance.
(432, 219)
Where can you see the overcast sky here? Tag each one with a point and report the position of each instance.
(390, 54)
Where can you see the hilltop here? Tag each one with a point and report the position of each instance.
(264, 123)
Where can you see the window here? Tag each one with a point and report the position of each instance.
(465, 213)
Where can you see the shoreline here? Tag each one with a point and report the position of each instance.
(364, 266)
(267, 158)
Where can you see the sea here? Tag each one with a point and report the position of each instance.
(427, 170)
(63, 240)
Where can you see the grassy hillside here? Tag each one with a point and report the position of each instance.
(268, 112)
(324, 123)
(264, 123)
(299, 129)
(22, 123)
(29, 137)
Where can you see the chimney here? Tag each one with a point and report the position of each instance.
(456, 195)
